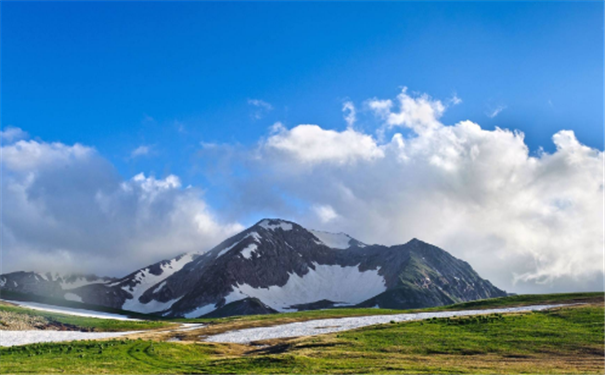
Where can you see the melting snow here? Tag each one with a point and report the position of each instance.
(317, 327)
(12, 338)
(189, 327)
(225, 250)
(331, 282)
(201, 311)
(70, 310)
(280, 224)
(146, 280)
(254, 235)
(247, 252)
(72, 297)
(159, 287)
(333, 240)
(80, 281)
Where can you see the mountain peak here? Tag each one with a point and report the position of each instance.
(272, 224)
(275, 265)
(333, 240)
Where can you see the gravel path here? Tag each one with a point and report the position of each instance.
(11, 338)
(317, 327)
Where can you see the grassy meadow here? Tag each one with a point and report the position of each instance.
(565, 340)
(10, 313)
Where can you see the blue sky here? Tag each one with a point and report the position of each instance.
(196, 87)
(119, 75)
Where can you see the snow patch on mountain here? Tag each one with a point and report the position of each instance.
(73, 297)
(330, 282)
(146, 280)
(203, 310)
(78, 282)
(333, 240)
(257, 237)
(267, 224)
(247, 252)
(162, 285)
(226, 250)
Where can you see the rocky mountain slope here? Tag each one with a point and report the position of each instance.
(277, 265)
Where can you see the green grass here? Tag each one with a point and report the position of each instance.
(529, 299)
(309, 314)
(16, 296)
(86, 323)
(566, 340)
(526, 299)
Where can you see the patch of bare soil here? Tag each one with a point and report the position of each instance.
(10, 321)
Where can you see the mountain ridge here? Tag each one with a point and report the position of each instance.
(277, 265)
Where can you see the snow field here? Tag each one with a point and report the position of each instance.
(12, 338)
(70, 310)
(332, 282)
(147, 280)
(321, 326)
(333, 240)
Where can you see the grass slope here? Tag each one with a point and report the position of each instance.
(11, 313)
(15, 296)
(565, 340)
(219, 325)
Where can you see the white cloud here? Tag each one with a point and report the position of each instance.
(66, 208)
(276, 128)
(325, 213)
(140, 151)
(262, 108)
(311, 145)
(11, 133)
(528, 223)
(455, 100)
(348, 110)
(33, 155)
(418, 112)
(495, 111)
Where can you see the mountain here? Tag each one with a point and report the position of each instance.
(54, 285)
(277, 266)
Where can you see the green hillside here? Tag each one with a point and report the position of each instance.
(564, 340)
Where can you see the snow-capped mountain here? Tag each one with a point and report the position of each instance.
(278, 265)
(50, 284)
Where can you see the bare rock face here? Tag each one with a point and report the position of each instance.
(278, 265)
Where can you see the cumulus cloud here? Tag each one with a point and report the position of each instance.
(11, 133)
(65, 208)
(418, 112)
(310, 145)
(530, 223)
